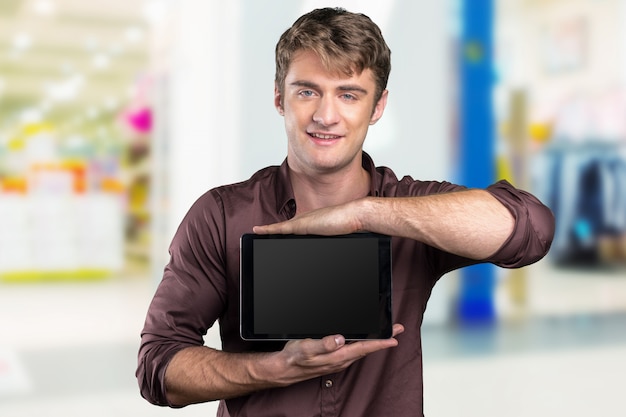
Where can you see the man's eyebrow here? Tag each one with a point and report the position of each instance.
(307, 84)
(350, 87)
(347, 87)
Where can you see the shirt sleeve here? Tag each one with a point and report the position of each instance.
(189, 299)
(533, 231)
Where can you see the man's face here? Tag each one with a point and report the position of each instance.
(326, 115)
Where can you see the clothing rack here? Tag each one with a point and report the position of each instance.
(585, 186)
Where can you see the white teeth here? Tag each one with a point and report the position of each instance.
(319, 136)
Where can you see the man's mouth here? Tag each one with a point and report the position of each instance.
(323, 136)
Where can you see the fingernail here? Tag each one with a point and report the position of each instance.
(338, 340)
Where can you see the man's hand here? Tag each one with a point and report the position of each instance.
(199, 374)
(305, 359)
(334, 220)
(469, 223)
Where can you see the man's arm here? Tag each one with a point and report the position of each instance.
(175, 369)
(469, 223)
(199, 374)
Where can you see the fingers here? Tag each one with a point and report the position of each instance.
(318, 348)
(291, 226)
(397, 329)
(335, 349)
(271, 228)
(365, 347)
(309, 358)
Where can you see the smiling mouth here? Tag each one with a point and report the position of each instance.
(324, 137)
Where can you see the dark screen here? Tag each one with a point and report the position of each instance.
(316, 286)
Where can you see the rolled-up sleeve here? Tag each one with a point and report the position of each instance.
(187, 302)
(533, 231)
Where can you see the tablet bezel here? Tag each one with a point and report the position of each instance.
(247, 295)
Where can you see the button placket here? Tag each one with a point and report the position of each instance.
(329, 398)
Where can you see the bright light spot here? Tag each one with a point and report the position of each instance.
(22, 41)
(44, 7)
(65, 90)
(31, 115)
(155, 11)
(133, 34)
(91, 43)
(101, 61)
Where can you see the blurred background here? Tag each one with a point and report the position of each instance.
(115, 116)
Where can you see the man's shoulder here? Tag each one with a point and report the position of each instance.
(261, 177)
(236, 196)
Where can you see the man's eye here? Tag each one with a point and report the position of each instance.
(306, 93)
(348, 96)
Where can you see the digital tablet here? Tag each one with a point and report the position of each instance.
(310, 286)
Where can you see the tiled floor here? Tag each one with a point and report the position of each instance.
(69, 349)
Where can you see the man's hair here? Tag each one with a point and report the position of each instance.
(345, 42)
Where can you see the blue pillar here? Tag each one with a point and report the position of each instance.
(476, 153)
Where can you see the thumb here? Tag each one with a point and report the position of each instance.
(332, 343)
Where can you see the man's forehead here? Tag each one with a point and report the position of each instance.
(308, 66)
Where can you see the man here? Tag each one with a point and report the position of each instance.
(331, 75)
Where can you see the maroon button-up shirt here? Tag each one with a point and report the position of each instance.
(201, 286)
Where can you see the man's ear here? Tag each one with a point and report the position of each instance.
(278, 100)
(379, 109)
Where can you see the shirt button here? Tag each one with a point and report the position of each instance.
(328, 383)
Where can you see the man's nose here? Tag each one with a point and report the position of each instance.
(327, 112)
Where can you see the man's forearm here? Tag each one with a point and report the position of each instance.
(469, 223)
(200, 374)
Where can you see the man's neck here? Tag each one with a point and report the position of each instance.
(313, 193)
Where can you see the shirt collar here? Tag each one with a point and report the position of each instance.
(375, 177)
(285, 199)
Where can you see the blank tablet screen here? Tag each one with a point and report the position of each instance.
(299, 286)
